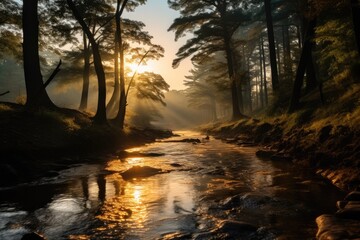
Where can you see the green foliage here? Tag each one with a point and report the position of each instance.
(335, 40)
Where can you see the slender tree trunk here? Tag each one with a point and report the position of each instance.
(287, 54)
(35, 90)
(271, 38)
(213, 108)
(261, 93)
(265, 74)
(100, 116)
(303, 62)
(86, 75)
(232, 76)
(279, 63)
(113, 104)
(355, 8)
(120, 117)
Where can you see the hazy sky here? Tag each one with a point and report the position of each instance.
(158, 17)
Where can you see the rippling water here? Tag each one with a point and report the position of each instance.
(201, 185)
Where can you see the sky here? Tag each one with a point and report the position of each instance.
(158, 17)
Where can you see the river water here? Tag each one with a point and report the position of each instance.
(209, 190)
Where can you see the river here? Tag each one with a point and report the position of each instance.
(203, 186)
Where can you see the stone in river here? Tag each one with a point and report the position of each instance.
(353, 196)
(33, 236)
(140, 172)
(331, 227)
(231, 226)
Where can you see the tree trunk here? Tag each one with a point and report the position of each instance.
(86, 75)
(264, 75)
(35, 90)
(271, 39)
(355, 8)
(113, 104)
(120, 117)
(236, 114)
(303, 63)
(100, 116)
(261, 93)
(288, 73)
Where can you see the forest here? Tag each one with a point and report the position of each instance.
(279, 77)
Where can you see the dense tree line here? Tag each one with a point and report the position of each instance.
(274, 52)
(89, 36)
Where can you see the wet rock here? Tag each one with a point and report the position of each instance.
(152, 154)
(230, 226)
(33, 236)
(353, 196)
(351, 211)
(341, 204)
(281, 157)
(175, 165)
(231, 202)
(252, 200)
(331, 227)
(140, 172)
(186, 140)
(248, 200)
(265, 153)
(204, 236)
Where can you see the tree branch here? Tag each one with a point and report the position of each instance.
(132, 78)
(52, 76)
(2, 94)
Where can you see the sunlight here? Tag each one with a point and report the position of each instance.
(140, 69)
(137, 194)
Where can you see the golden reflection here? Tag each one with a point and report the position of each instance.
(131, 150)
(137, 194)
(134, 160)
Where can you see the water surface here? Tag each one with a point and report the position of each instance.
(197, 191)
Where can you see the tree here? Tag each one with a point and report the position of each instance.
(270, 29)
(35, 90)
(213, 24)
(100, 116)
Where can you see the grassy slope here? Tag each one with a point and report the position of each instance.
(324, 138)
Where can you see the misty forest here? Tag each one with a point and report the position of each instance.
(261, 141)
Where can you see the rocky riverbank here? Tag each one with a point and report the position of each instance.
(37, 144)
(331, 150)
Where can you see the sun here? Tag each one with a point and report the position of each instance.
(140, 69)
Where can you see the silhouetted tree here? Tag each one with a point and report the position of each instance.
(35, 90)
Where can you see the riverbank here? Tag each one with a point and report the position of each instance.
(327, 145)
(35, 144)
(332, 150)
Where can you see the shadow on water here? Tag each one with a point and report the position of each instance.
(200, 186)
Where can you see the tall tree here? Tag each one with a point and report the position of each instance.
(35, 90)
(271, 38)
(213, 24)
(100, 115)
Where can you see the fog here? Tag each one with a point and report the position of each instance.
(141, 113)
